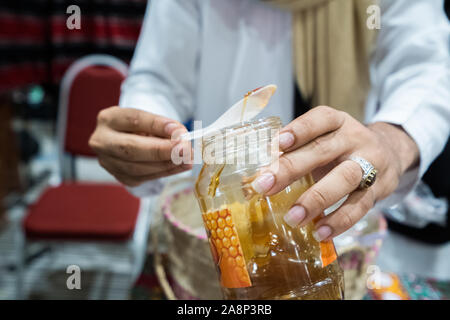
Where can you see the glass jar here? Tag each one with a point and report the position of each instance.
(258, 255)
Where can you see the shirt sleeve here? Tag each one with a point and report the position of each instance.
(162, 75)
(410, 77)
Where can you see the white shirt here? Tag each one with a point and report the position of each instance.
(195, 58)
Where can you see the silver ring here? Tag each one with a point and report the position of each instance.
(368, 170)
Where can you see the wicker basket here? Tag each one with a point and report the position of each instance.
(357, 249)
(189, 257)
(189, 264)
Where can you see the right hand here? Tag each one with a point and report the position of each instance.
(135, 146)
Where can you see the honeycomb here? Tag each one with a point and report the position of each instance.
(226, 249)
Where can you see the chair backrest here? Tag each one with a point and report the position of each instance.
(89, 85)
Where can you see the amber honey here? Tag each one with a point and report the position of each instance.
(259, 256)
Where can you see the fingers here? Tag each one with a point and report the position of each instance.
(138, 121)
(315, 123)
(356, 206)
(135, 173)
(132, 147)
(136, 146)
(339, 182)
(293, 165)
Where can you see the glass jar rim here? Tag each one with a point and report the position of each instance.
(243, 127)
(246, 141)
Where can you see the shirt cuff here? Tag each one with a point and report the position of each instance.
(156, 187)
(149, 188)
(413, 124)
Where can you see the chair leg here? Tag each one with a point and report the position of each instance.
(20, 267)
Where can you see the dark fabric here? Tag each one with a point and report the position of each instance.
(438, 175)
(83, 211)
(447, 8)
(94, 89)
(301, 105)
(28, 146)
(438, 179)
(9, 157)
(37, 47)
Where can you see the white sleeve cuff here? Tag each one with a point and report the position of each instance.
(155, 187)
(429, 130)
(149, 188)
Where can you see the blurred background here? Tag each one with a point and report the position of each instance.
(43, 144)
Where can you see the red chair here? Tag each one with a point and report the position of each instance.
(86, 213)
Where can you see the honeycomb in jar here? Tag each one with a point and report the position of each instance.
(226, 249)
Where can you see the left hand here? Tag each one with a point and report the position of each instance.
(322, 141)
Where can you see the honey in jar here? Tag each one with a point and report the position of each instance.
(257, 254)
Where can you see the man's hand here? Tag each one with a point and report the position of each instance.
(135, 146)
(322, 141)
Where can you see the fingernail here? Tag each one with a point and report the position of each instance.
(286, 140)
(295, 216)
(168, 129)
(263, 183)
(175, 156)
(322, 233)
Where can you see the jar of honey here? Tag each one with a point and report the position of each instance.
(257, 254)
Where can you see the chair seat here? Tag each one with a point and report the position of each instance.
(83, 211)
